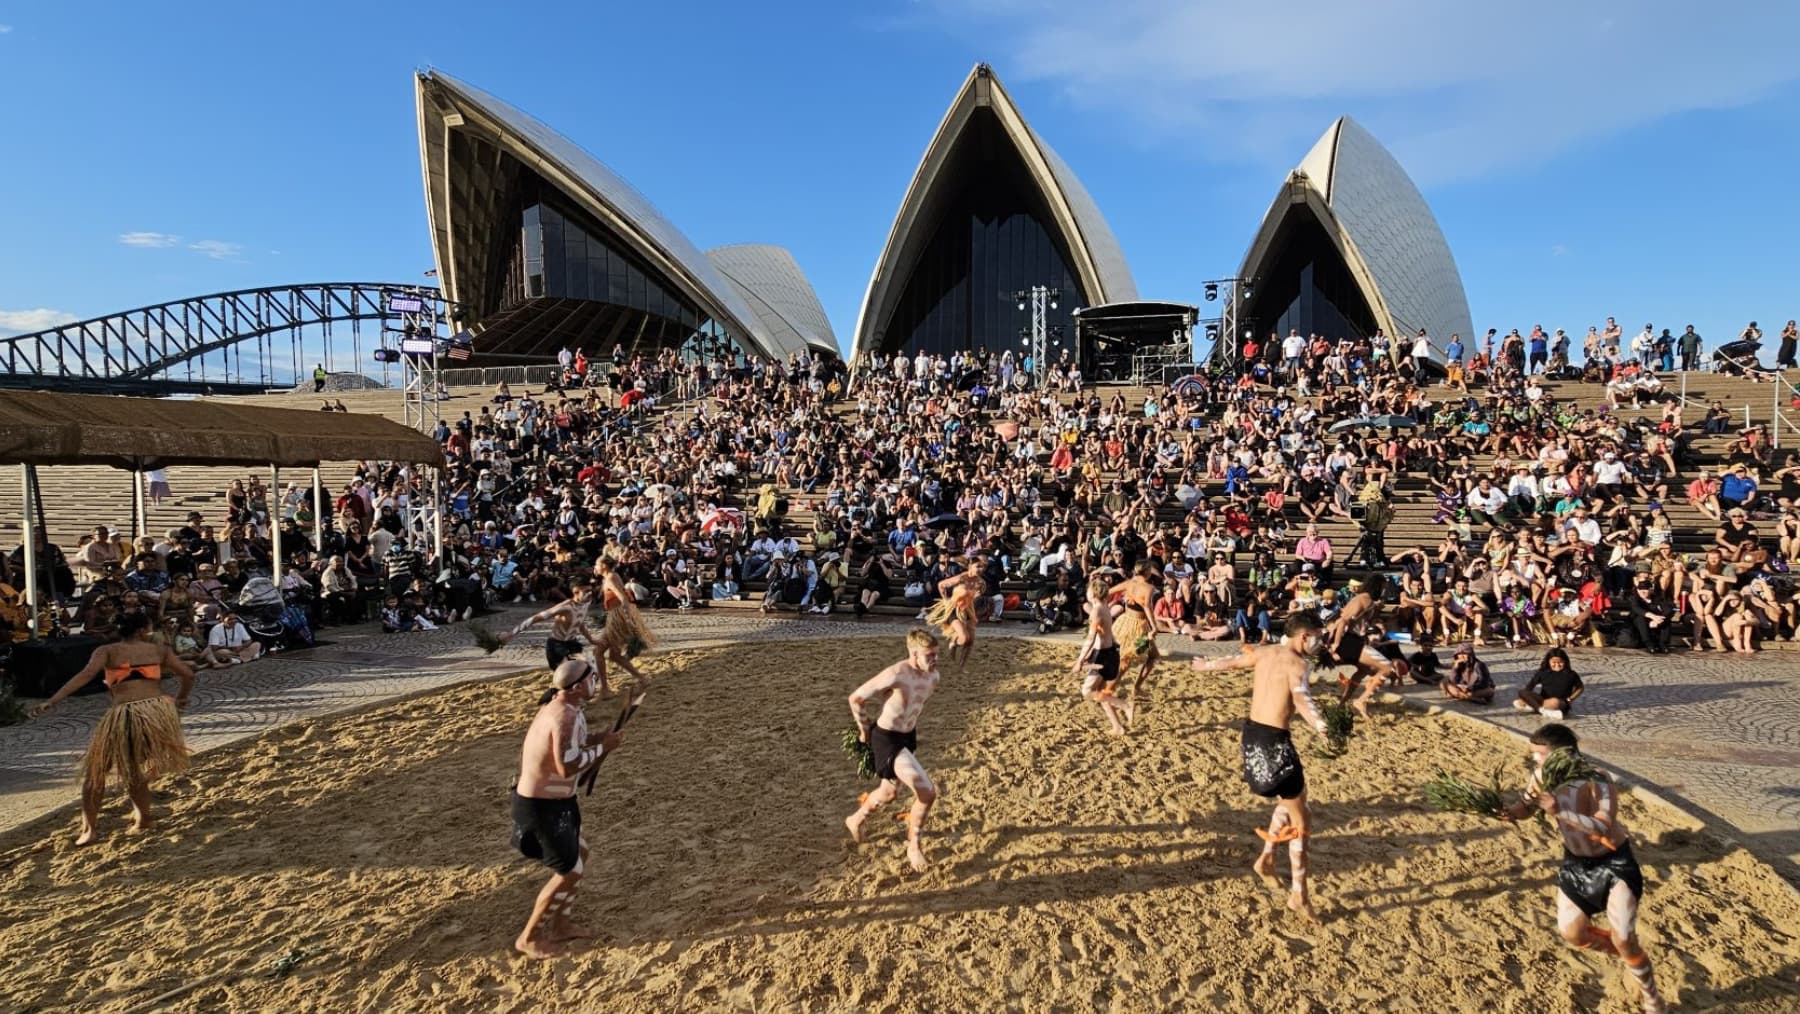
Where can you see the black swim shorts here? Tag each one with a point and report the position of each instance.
(557, 650)
(1107, 659)
(1588, 880)
(1271, 765)
(885, 745)
(547, 830)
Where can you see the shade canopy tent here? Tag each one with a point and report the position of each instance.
(44, 428)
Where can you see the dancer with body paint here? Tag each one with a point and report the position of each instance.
(1347, 643)
(903, 688)
(1271, 765)
(1098, 663)
(954, 613)
(1599, 874)
(546, 817)
(568, 628)
(626, 635)
(1135, 625)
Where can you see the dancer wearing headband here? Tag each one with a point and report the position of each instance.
(626, 635)
(546, 818)
(1271, 765)
(1599, 874)
(140, 734)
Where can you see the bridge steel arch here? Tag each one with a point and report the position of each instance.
(140, 350)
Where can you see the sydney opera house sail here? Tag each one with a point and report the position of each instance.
(991, 211)
(1350, 246)
(541, 245)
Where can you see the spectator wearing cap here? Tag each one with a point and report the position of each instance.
(1652, 615)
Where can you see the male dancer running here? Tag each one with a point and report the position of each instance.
(1347, 643)
(568, 627)
(546, 818)
(1271, 765)
(1599, 874)
(907, 685)
(1098, 662)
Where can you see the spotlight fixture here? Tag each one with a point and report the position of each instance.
(1212, 291)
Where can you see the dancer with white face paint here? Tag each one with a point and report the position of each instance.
(904, 687)
(1271, 765)
(546, 818)
(1599, 874)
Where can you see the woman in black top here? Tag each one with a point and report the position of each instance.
(1553, 688)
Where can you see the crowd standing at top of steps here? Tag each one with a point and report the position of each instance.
(819, 487)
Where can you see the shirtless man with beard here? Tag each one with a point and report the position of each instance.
(906, 686)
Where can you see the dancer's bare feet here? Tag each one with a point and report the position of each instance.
(1264, 868)
(537, 950)
(1361, 707)
(1301, 906)
(88, 833)
(916, 856)
(855, 823)
(1130, 709)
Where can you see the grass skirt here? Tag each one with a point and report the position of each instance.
(139, 738)
(1135, 638)
(626, 630)
(944, 612)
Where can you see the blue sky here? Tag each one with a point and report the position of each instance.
(1634, 159)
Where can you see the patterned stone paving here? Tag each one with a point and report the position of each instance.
(1719, 734)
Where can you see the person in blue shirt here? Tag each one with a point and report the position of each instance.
(502, 575)
(1737, 488)
(901, 539)
(1453, 352)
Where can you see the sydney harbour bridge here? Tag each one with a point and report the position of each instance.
(230, 342)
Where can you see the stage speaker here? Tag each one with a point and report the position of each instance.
(40, 668)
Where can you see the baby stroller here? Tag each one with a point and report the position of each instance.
(270, 619)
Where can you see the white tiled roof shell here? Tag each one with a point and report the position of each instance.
(1384, 223)
(771, 281)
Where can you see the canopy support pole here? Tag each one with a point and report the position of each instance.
(30, 533)
(437, 515)
(275, 524)
(318, 515)
(140, 525)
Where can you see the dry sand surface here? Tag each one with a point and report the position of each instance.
(1072, 871)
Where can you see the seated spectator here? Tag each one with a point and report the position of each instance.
(229, 644)
(1469, 678)
(1553, 689)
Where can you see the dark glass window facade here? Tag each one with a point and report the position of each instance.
(1307, 286)
(559, 254)
(991, 236)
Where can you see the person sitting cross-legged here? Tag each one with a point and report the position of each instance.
(1553, 688)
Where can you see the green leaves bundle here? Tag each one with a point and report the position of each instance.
(1564, 766)
(860, 753)
(1340, 722)
(1451, 793)
(485, 639)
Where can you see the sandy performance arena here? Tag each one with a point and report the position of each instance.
(1073, 871)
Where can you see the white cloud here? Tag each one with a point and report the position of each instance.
(1457, 90)
(14, 322)
(149, 240)
(4, 29)
(217, 249)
